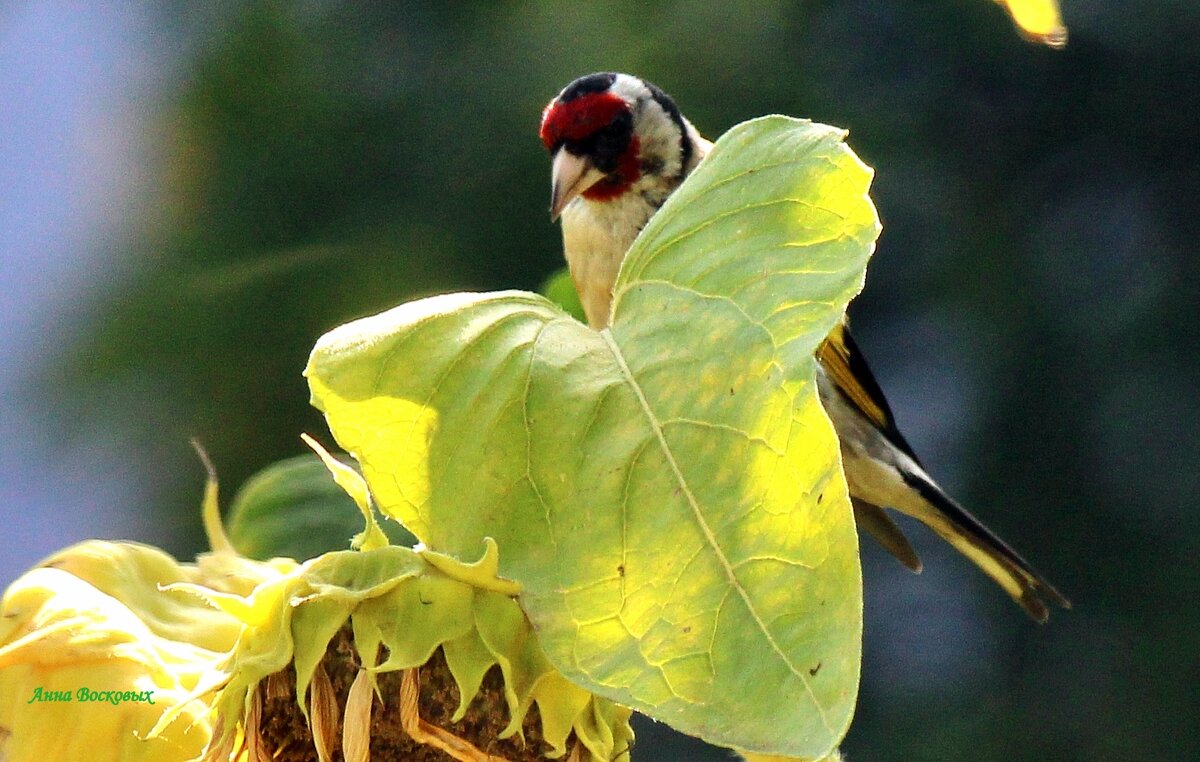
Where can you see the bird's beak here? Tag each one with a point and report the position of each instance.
(570, 176)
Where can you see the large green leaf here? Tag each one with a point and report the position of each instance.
(668, 491)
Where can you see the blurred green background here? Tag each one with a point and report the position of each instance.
(193, 192)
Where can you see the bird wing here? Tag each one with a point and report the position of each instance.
(848, 370)
(969, 536)
(879, 479)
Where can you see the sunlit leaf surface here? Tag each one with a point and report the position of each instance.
(668, 492)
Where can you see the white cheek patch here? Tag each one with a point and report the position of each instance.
(659, 134)
(630, 88)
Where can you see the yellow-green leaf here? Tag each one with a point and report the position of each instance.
(668, 492)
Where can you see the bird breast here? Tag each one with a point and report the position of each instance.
(596, 236)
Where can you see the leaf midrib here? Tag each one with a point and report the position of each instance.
(710, 537)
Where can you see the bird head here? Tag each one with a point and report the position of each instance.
(612, 134)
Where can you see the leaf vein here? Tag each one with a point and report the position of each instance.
(717, 218)
(752, 438)
(709, 537)
(533, 349)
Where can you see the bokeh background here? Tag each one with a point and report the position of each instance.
(191, 193)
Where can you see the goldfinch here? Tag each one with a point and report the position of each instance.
(619, 147)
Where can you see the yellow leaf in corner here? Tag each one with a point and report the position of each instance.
(1038, 20)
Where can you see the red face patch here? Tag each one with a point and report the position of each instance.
(579, 118)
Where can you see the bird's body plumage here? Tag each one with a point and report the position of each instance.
(613, 169)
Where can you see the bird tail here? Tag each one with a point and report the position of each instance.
(997, 559)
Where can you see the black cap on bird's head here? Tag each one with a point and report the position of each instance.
(608, 131)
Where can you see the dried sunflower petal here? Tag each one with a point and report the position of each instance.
(398, 610)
